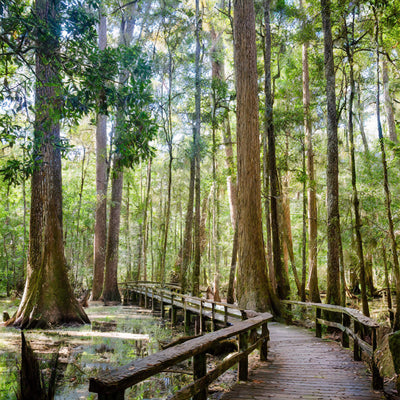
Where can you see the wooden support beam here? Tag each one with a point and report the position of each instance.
(264, 343)
(243, 370)
(199, 371)
(318, 328)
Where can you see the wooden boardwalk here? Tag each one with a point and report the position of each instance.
(301, 366)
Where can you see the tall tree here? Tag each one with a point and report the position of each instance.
(197, 217)
(110, 288)
(281, 277)
(332, 173)
(349, 48)
(312, 190)
(388, 201)
(48, 298)
(254, 288)
(100, 228)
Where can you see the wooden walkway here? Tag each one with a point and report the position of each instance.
(301, 366)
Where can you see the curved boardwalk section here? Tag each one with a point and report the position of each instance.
(301, 366)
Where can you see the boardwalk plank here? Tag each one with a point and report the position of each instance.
(301, 366)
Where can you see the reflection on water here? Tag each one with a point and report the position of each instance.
(118, 335)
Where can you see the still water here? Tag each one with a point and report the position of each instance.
(117, 335)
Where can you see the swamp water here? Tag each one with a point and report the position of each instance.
(117, 335)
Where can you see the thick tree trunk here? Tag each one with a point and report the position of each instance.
(100, 227)
(332, 198)
(281, 277)
(48, 298)
(254, 289)
(110, 290)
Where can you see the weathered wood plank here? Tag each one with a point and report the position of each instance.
(302, 366)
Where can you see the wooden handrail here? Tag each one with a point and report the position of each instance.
(112, 384)
(352, 323)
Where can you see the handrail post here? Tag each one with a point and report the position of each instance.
(186, 316)
(226, 315)
(264, 343)
(318, 328)
(243, 370)
(345, 335)
(213, 316)
(201, 317)
(173, 311)
(145, 297)
(162, 305)
(200, 370)
(377, 380)
(356, 347)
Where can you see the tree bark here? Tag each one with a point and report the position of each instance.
(388, 201)
(332, 198)
(388, 102)
(312, 191)
(48, 298)
(197, 218)
(144, 224)
(100, 227)
(187, 238)
(110, 290)
(281, 277)
(356, 202)
(169, 140)
(254, 289)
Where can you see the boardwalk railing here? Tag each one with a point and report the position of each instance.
(161, 297)
(352, 323)
(112, 384)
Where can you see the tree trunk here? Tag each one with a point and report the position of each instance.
(110, 290)
(387, 282)
(48, 298)
(358, 223)
(144, 224)
(304, 226)
(100, 227)
(388, 201)
(270, 261)
(197, 218)
(361, 120)
(388, 102)
(230, 297)
(312, 191)
(187, 239)
(332, 198)
(286, 222)
(281, 277)
(254, 288)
